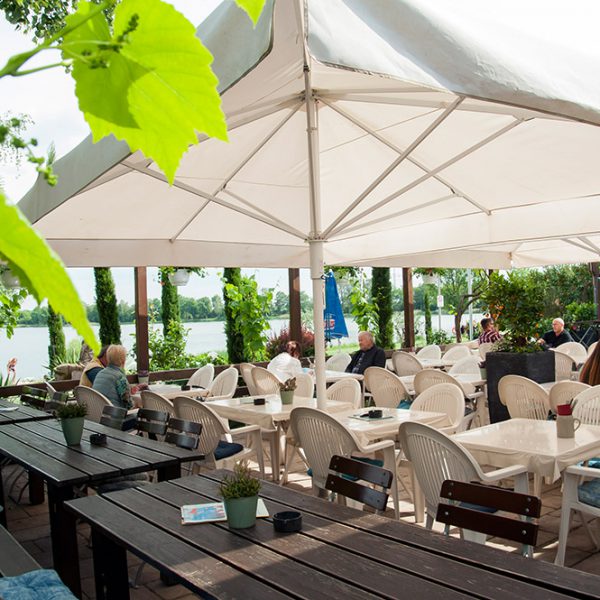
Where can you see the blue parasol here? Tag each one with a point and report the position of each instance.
(335, 324)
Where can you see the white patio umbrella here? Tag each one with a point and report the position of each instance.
(374, 132)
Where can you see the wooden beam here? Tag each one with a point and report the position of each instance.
(409, 308)
(141, 319)
(295, 309)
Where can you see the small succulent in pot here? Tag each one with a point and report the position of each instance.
(71, 410)
(71, 416)
(240, 496)
(289, 385)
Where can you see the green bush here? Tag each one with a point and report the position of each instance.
(106, 304)
(278, 342)
(381, 292)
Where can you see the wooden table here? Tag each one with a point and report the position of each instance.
(40, 448)
(340, 553)
(22, 413)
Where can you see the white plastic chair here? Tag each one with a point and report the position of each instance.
(155, 401)
(321, 437)
(469, 365)
(346, 390)
(591, 348)
(587, 406)
(572, 480)
(457, 352)
(246, 372)
(265, 382)
(215, 430)
(435, 457)
(203, 377)
(443, 398)
(95, 402)
(387, 389)
(405, 363)
(525, 399)
(484, 349)
(305, 386)
(563, 366)
(431, 351)
(224, 384)
(564, 391)
(338, 361)
(575, 350)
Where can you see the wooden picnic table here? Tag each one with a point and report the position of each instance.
(341, 552)
(40, 448)
(11, 412)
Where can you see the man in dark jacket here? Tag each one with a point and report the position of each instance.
(369, 355)
(556, 337)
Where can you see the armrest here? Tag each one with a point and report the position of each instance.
(583, 471)
(244, 430)
(493, 476)
(376, 446)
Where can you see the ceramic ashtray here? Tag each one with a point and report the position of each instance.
(288, 521)
(375, 414)
(98, 439)
(259, 401)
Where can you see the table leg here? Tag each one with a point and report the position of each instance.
(172, 472)
(110, 568)
(36, 488)
(63, 532)
(2, 501)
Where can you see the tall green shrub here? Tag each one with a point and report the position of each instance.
(428, 329)
(235, 339)
(57, 349)
(169, 303)
(381, 292)
(106, 303)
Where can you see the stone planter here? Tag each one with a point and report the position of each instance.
(241, 512)
(287, 397)
(72, 430)
(537, 366)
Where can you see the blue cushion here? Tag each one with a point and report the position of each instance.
(404, 404)
(589, 493)
(227, 449)
(43, 584)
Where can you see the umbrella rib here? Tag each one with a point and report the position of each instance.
(577, 244)
(587, 242)
(429, 175)
(332, 229)
(411, 159)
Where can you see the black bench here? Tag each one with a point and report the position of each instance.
(14, 559)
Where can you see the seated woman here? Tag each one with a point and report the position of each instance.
(287, 364)
(93, 367)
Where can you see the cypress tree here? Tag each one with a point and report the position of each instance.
(169, 302)
(57, 350)
(106, 303)
(235, 339)
(428, 330)
(381, 292)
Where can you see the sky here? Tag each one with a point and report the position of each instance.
(48, 97)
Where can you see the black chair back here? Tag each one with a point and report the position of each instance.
(182, 433)
(152, 422)
(56, 400)
(351, 488)
(113, 416)
(34, 397)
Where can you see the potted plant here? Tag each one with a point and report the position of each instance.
(181, 275)
(71, 416)
(516, 305)
(240, 496)
(286, 390)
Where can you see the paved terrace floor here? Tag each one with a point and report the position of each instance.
(29, 524)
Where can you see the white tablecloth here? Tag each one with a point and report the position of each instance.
(462, 378)
(531, 443)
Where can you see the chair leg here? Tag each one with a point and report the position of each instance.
(563, 534)
(537, 485)
(588, 529)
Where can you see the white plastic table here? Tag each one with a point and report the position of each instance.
(531, 443)
(170, 391)
(437, 363)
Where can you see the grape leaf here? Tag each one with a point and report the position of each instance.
(252, 7)
(40, 270)
(149, 83)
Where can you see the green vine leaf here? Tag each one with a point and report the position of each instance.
(149, 83)
(253, 8)
(39, 269)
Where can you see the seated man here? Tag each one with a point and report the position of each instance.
(369, 354)
(489, 334)
(93, 367)
(556, 337)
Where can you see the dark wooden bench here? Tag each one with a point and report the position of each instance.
(14, 559)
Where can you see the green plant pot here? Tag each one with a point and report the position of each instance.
(287, 397)
(72, 430)
(241, 512)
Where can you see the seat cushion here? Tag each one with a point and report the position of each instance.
(42, 584)
(227, 449)
(405, 404)
(589, 493)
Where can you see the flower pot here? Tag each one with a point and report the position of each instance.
(287, 397)
(9, 279)
(429, 279)
(143, 377)
(72, 430)
(241, 512)
(179, 277)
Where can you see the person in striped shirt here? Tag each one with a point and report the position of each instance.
(489, 334)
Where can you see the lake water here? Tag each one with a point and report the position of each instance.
(30, 344)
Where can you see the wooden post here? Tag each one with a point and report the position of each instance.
(295, 310)
(141, 318)
(595, 270)
(409, 308)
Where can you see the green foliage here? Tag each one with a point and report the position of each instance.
(277, 343)
(71, 410)
(10, 308)
(361, 307)
(167, 350)
(516, 305)
(252, 7)
(249, 316)
(439, 337)
(428, 329)
(235, 339)
(106, 303)
(57, 349)
(381, 292)
(239, 485)
(170, 311)
(576, 311)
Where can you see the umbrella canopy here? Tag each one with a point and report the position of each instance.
(374, 132)
(335, 323)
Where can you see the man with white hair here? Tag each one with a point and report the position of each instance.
(369, 354)
(556, 337)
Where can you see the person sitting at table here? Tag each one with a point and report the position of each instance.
(93, 367)
(556, 337)
(369, 355)
(489, 334)
(287, 364)
(590, 373)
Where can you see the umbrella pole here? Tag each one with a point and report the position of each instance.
(318, 288)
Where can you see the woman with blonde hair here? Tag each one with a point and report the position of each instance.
(111, 381)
